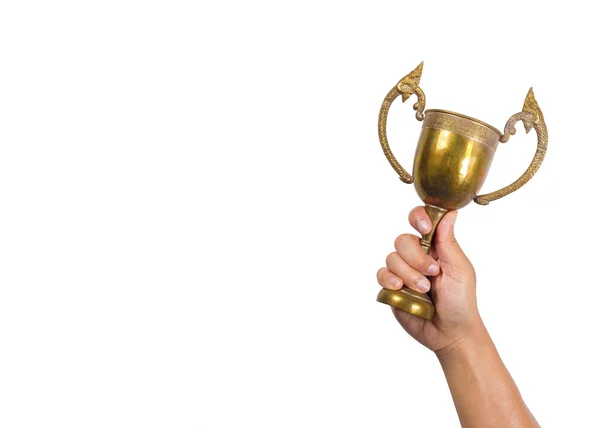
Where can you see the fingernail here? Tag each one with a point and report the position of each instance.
(433, 269)
(395, 282)
(423, 226)
(423, 285)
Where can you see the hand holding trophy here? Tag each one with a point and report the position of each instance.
(453, 156)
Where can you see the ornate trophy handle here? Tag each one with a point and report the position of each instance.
(407, 86)
(532, 117)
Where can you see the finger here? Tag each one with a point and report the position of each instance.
(446, 244)
(419, 219)
(409, 249)
(388, 280)
(412, 324)
(412, 278)
(449, 252)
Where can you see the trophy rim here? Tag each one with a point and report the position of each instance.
(464, 116)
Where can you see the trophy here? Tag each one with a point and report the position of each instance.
(453, 156)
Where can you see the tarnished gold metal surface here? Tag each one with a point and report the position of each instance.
(462, 125)
(409, 301)
(532, 117)
(453, 157)
(435, 214)
(407, 86)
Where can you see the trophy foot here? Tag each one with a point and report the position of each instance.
(409, 301)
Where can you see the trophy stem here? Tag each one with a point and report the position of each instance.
(405, 299)
(435, 214)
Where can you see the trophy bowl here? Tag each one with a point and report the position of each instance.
(453, 156)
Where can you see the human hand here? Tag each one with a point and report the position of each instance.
(452, 283)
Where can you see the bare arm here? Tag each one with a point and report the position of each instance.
(482, 388)
(483, 391)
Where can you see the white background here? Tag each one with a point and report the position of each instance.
(194, 204)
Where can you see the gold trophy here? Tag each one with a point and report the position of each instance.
(453, 156)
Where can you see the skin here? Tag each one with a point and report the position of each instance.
(483, 391)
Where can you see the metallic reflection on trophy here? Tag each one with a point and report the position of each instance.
(453, 156)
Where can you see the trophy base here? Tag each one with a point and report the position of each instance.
(409, 301)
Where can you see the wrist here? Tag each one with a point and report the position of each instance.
(472, 339)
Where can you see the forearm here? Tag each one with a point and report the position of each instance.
(483, 391)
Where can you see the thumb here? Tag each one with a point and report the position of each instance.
(446, 245)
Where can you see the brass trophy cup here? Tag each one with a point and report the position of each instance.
(453, 156)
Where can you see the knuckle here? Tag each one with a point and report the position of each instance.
(403, 240)
(390, 258)
(414, 214)
(423, 262)
(452, 240)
